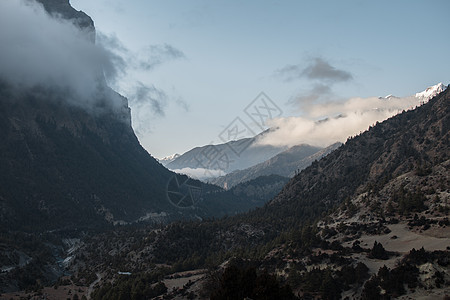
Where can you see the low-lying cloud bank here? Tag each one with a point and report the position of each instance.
(200, 173)
(324, 124)
(37, 49)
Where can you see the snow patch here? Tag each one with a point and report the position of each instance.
(431, 91)
(168, 159)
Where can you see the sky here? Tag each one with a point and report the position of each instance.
(192, 69)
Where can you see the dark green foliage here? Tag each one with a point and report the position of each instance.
(419, 257)
(321, 282)
(133, 287)
(350, 275)
(242, 197)
(408, 201)
(423, 170)
(328, 283)
(239, 281)
(371, 289)
(38, 251)
(378, 251)
(406, 273)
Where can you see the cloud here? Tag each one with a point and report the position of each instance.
(183, 104)
(319, 92)
(37, 49)
(159, 54)
(317, 69)
(112, 43)
(200, 173)
(147, 102)
(150, 98)
(322, 70)
(116, 53)
(331, 122)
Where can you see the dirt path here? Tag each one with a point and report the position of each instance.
(91, 287)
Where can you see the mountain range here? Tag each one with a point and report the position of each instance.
(367, 221)
(287, 164)
(86, 211)
(226, 172)
(226, 157)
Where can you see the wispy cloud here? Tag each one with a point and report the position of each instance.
(156, 55)
(319, 92)
(143, 96)
(146, 100)
(149, 98)
(111, 42)
(315, 69)
(183, 104)
(322, 70)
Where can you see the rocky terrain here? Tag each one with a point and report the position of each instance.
(86, 212)
(368, 221)
(72, 166)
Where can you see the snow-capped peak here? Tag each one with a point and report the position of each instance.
(431, 91)
(390, 96)
(168, 159)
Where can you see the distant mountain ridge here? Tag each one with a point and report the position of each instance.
(286, 163)
(168, 159)
(226, 157)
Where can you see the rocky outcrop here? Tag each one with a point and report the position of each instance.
(66, 11)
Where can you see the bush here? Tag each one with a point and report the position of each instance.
(378, 251)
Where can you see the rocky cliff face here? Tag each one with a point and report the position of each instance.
(66, 163)
(65, 10)
(70, 159)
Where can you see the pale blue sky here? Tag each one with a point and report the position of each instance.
(207, 60)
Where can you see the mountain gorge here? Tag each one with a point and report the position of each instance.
(86, 212)
(377, 208)
(71, 165)
(73, 160)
